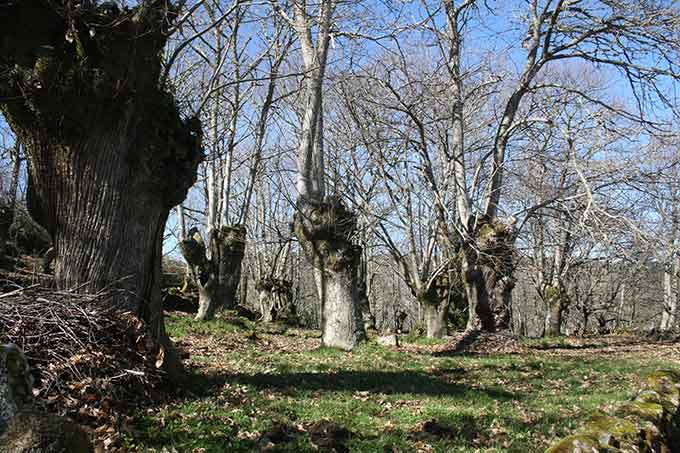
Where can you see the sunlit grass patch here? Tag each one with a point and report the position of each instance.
(252, 396)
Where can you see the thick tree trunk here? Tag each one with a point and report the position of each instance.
(487, 274)
(553, 317)
(324, 230)
(108, 153)
(479, 303)
(218, 277)
(436, 318)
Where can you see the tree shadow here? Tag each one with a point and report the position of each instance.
(384, 382)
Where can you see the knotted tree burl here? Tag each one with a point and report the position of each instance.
(108, 151)
(325, 229)
(217, 274)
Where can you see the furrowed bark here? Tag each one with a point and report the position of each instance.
(108, 152)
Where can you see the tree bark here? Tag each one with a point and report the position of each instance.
(324, 230)
(553, 318)
(108, 153)
(487, 267)
(218, 277)
(362, 286)
(670, 295)
(436, 318)
(267, 303)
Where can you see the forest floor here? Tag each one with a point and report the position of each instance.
(255, 387)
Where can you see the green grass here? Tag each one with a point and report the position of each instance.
(376, 399)
(181, 326)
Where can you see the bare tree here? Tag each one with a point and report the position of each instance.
(229, 92)
(323, 224)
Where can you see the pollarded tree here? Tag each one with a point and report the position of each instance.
(385, 115)
(322, 223)
(108, 151)
(237, 56)
(608, 34)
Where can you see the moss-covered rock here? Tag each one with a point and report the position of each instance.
(650, 422)
(33, 432)
(24, 428)
(583, 443)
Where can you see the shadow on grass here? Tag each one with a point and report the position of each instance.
(566, 346)
(384, 382)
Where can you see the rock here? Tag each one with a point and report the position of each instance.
(582, 443)
(16, 384)
(24, 429)
(388, 340)
(650, 422)
(33, 432)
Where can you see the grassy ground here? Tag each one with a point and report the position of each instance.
(257, 388)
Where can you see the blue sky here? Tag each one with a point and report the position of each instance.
(498, 32)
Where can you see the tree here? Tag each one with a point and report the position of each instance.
(226, 67)
(108, 151)
(385, 115)
(601, 33)
(322, 223)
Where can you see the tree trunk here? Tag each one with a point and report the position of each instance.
(324, 230)
(362, 289)
(553, 318)
(267, 304)
(670, 299)
(667, 298)
(103, 238)
(218, 277)
(108, 152)
(480, 316)
(436, 318)
(487, 268)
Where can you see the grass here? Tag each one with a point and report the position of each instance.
(180, 326)
(258, 390)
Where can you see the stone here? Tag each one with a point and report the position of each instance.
(583, 443)
(24, 428)
(16, 384)
(388, 340)
(34, 432)
(650, 422)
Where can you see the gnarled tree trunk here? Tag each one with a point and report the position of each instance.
(324, 230)
(218, 276)
(487, 266)
(274, 297)
(436, 318)
(554, 314)
(435, 300)
(108, 152)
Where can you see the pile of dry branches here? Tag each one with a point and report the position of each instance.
(89, 359)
